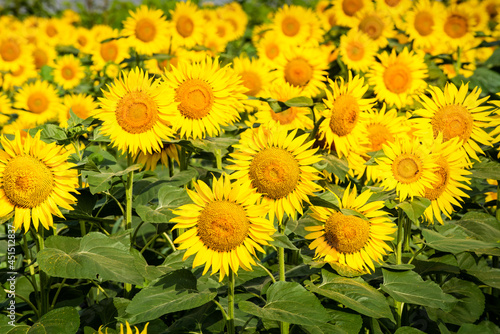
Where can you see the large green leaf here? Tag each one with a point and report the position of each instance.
(95, 256)
(289, 302)
(175, 291)
(454, 244)
(354, 293)
(486, 169)
(340, 323)
(169, 198)
(407, 330)
(300, 101)
(415, 208)
(409, 287)
(64, 320)
(281, 240)
(480, 226)
(332, 164)
(480, 269)
(99, 182)
(485, 327)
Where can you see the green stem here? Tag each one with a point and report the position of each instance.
(230, 301)
(82, 228)
(170, 166)
(169, 241)
(218, 159)
(497, 213)
(134, 235)
(44, 278)
(224, 314)
(182, 158)
(149, 243)
(128, 193)
(399, 250)
(284, 326)
(24, 299)
(57, 294)
(268, 272)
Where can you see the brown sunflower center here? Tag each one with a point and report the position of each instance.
(397, 78)
(285, 117)
(272, 51)
(350, 7)
(221, 31)
(345, 115)
(27, 181)
(298, 72)
(290, 26)
(38, 102)
(40, 57)
(355, 50)
(68, 72)
(184, 26)
(109, 51)
(453, 121)
(372, 25)
(196, 98)
(274, 172)
(438, 187)
(347, 234)
(456, 25)
(252, 82)
(407, 168)
(51, 30)
(378, 135)
(82, 40)
(424, 23)
(332, 20)
(145, 30)
(136, 112)
(223, 226)
(392, 3)
(10, 50)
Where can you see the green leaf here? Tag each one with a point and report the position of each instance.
(480, 226)
(409, 287)
(340, 323)
(486, 169)
(318, 201)
(470, 303)
(169, 198)
(289, 302)
(214, 144)
(333, 165)
(99, 182)
(415, 208)
(281, 240)
(485, 327)
(50, 132)
(407, 330)
(355, 294)
(46, 73)
(95, 256)
(453, 244)
(300, 101)
(480, 270)
(64, 320)
(173, 292)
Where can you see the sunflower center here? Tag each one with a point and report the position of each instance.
(355, 50)
(290, 26)
(10, 50)
(453, 121)
(51, 31)
(392, 3)
(251, 81)
(145, 30)
(184, 26)
(372, 25)
(378, 135)
(285, 117)
(298, 72)
(424, 23)
(456, 26)
(345, 115)
(80, 111)
(221, 31)
(438, 187)
(27, 181)
(109, 51)
(38, 102)
(82, 40)
(397, 78)
(347, 234)
(407, 168)
(196, 98)
(136, 112)
(223, 226)
(274, 172)
(40, 58)
(272, 51)
(68, 72)
(332, 20)
(350, 7)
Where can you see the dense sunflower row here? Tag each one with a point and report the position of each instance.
(348, 78)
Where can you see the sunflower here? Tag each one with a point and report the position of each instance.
(279, 167)
(55, 31)
(208, 97)
(43, 54)
(394, 8)
(345, 10)
(126, 330)
(68, 71)
(5, 105)
(39, 100)
(234, 14)
(292, 24)
(150, 160)
(82, 105)
(451, 173)
(304, 68)
(136, 112)
(225, 225)
(166, 59)
(457, 27)
(408, 166)
(422, 22)
(398, 79)
(35, 178)
(255, 74)
(187, 25)
(14, 51)
(375, 24)
(269, 48)
(348, 239)
(109, 47)
(341, 127)
(85, 40)
(18, 78)
(146, 29)
(357, 50)
(328, 18)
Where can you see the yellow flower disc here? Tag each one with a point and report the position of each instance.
(392, 3)
(196, 98)
(136, 112)
(272, 51)
(372, 25)
(68, 72)
(378, 135)
(397, 78)
(456, 26)
(27, 181)
(274, 172)
(184, 26)
(223, 225)
(285, 117)
(424, 23)
(145, 30)
(109, 51)
(290, 26)
(38, 102)
(438, 187)
(345, 115)
(347, 234)
(251, 81)
(10, 50)
(298, 72)
(407, 168)
(350, 7)
(355, 50)
(453, 121)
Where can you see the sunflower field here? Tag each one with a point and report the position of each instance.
(281, 167)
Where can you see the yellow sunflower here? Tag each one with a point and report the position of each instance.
(357, 50)
(269, 48)
(255, 74)
(170, 57)
(422, 22)
(350, 240)
(225, 225)
(109, 47)
(82, 105)
(136, 112)
(150, 160)
(85, 40)
(187, 25)
(398, 78)
(39, 100)
(345, 10)
(18, 78)
(22, 124)
(304, 68)
(146, 29)
(43, 54)
(35, 178)
(458, 27)
(375, 24)
(55, 31)
(409, 167)
(451, 175)
(279, 167)
(5, 104)
(14, 51)
(126, 330)
(292, 24)
(394, 8)
(341, 128)
(455, 113)
(68, 71)
(234, 14)
(208, 97)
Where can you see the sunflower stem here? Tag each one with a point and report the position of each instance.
(32, 279)
(182, 159)
(284, 326)
(497, 212)
(218, 158)
(399, 250)
(44, 278)
(169, 241)
(230, 301)
(128, 193)
(170, 166)
(57, 294)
